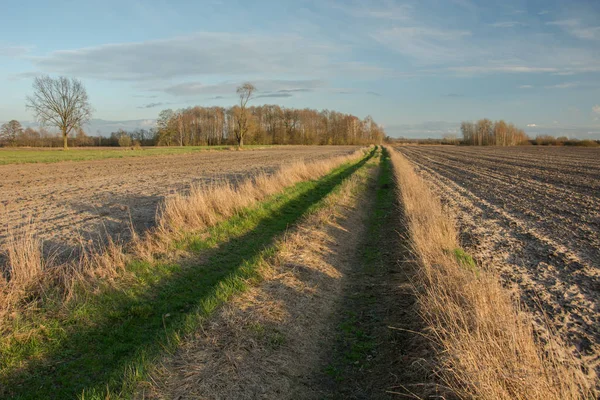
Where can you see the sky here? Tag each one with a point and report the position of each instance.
(417, 67)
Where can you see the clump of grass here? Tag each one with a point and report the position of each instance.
(487, 347)
(24, 265)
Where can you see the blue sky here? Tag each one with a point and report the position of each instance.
(418, 67)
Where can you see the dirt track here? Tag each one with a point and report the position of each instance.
(89, 198)
(534, 215)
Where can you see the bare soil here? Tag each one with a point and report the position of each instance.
(67, 201)
(533, 214)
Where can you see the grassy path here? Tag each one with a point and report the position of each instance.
(373, 355)
(105, 345)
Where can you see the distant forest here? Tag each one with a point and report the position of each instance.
(487, 133)
(199, 126)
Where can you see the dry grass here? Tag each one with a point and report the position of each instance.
(487, 347)
(24, 265)
(27, 274)
(206, 205)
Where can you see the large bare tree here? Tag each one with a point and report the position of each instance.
(245, 93)
(61, 102)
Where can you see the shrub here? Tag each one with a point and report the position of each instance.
(124, 140)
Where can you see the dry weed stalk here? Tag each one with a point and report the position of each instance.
(488, 349)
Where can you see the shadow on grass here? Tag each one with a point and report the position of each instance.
(125, 329)
(368, 359)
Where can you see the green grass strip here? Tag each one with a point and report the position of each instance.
(108, 342)
(355, 340)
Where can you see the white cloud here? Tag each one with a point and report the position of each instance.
(543, 12)
(566, 85)
(459, 51)
(386, 11)
(502, 68)
(526, 87)
(531, 125)
(576, 28)
(505, 24)
(596, 112)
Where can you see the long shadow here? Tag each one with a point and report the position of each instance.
(93, 359)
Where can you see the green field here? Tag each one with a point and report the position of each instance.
(37, 155)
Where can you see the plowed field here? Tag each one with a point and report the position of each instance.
(533, 214)
(73, 199)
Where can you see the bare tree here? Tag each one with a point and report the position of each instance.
(10, 131)
(61, 102)
(244, 92)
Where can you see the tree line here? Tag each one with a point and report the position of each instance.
(12, 134)
(208, 126)
(489, 133)
(267, 124)
(63, 103)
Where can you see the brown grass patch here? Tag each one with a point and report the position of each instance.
(487, 347)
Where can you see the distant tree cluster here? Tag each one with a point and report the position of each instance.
(447, 139)
(12, 134)
(549, 140)
(488, 133)
(268, 124)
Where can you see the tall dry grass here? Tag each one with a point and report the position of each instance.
(27, 274)
(487, 347)
(206, 205)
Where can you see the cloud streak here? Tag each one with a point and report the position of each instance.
(566, 85)
(153, 105)
(424, 44)
(576, 28)
(505, 24)
(264, 87)
(273, 95)
(202, 53)
(14, 51)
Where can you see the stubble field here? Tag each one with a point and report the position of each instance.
(67, 201)
(533, 215)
